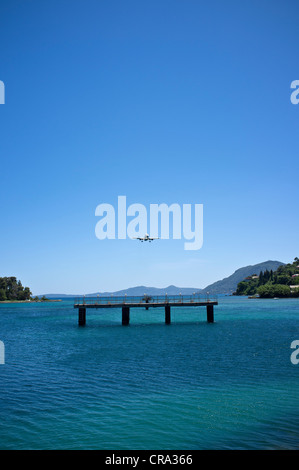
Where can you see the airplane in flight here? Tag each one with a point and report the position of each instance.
(146, 238)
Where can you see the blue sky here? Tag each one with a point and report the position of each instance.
(161, 101)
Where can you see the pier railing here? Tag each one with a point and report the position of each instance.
(146, 299)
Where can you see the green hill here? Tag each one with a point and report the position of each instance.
(283, 282)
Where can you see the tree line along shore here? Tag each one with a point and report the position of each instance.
(282, 283)
(12, 290)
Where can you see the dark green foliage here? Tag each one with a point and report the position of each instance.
(271, 284)
(273, 290)
(12, 289)
(247, 287)
(283, 279)
(2, 294)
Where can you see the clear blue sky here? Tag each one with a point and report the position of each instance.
(161, 101)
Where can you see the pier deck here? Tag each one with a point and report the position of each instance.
(126, 303)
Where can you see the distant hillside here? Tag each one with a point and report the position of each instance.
(140, 290)
(136, 291)
(229, 284)
(226, 286)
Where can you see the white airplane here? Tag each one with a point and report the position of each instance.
(146, 238)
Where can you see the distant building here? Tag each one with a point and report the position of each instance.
(253, 276)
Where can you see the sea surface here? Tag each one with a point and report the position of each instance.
(185, 386)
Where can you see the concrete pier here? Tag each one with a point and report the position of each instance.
(167, 315)
(126, 303)
(210, 313)
(82, 316)
(125, 315)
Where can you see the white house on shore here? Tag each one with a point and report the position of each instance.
(293, 288)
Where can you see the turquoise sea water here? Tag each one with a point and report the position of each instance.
(188, 385)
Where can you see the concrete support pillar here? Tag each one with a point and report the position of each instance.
(167, 315)
(82, 316)
(125, 315)
(210, 313)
